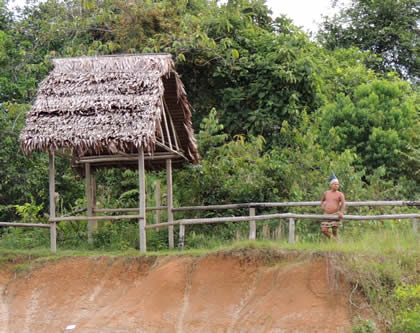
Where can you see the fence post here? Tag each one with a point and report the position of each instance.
(157, 199)
(142, 201)
(415, 225)
(181, 236)
(252, 225)
(53, 225)
(292, 230)
(170, 203)
(90, 196)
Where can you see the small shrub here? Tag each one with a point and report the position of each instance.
(21, 269)
(20, 238)
(408, 316)
(363, 326)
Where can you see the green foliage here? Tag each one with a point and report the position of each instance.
(120, 236)
(341, 71)
(21, 269)
(5, 15)
(119, 188)
(388, 276)
(273, 80)
(408, 315)
(238, 171)
(208, 136)
(388, 29)
(28, 212)
(25, 238)
(24, 179)
(363, 326)
(72, 235)
(305, 164)
(379, 123)
(21, 177)
(124, 235)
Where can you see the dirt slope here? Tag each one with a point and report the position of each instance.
(237, 291)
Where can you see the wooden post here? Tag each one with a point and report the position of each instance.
(415, 225)
(166, 128)
(181, 236)
(93, 187)
(53, 225)
(252, 225)
(170, 202)
(292, 230)
(157, 203)
(142, 202)
(90, 194)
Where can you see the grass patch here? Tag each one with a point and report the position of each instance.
(370, 243)
(6, 259)
(21, 269)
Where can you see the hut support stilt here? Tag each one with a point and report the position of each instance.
(53, 225)
(90, 195)
(170, 202)
(157, 203)
(142, 202)
(93, 187)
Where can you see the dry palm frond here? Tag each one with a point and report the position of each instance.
(108, 104)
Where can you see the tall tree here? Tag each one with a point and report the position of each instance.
(388, 29)
(380, 123)
(5, 15)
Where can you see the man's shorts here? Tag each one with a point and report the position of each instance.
(330, 224)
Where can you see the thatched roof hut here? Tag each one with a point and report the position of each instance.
(112, 105)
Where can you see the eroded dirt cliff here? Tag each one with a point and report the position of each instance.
(235, 291)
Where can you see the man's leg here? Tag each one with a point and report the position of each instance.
(335, 232)
(325, 231)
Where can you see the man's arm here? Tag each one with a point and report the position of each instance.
(323, 201)
(342, 205)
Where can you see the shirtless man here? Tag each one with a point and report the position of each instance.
(332, 202)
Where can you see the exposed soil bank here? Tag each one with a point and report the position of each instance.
(236, 291)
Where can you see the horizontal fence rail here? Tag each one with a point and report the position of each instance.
(24, 225)
(298, 204)
(263, 205)
(251, 218)
(94, 218)
(210, 220)
(269, 205)
(127, 210)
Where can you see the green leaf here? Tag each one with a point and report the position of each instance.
(235, 54)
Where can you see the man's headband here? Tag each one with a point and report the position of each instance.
(333, 178)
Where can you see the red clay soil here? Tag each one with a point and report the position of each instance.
(237, 291)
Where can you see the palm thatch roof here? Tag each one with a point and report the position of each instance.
(107, 105)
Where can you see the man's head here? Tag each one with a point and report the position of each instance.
(334, 184)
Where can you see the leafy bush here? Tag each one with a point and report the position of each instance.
(379, 123)
(20, 238)
(408, 314)
(363, 326)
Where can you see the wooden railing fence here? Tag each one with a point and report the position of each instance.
(251, 218)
